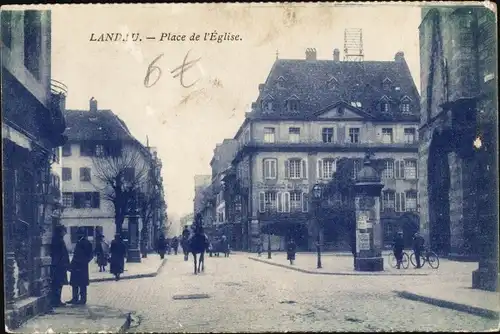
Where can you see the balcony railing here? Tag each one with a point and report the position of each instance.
(57, 87)
(58, 91)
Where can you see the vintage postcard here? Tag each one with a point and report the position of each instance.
(250, 167)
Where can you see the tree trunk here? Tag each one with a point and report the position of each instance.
(119, 219)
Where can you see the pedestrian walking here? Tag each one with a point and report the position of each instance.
(259, 247)
(79, 267)
(399, 246)
(418, 245)
(161, 246)
(352, 242)
(118, 251)
(175, 245)
(59, 265)
(291, 248)
(101, 252)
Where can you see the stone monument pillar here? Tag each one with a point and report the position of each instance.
(368, 229)
(134, 253)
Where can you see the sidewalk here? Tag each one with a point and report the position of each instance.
(456, 295)
(334, 264)
(88, 319)
(148, 267)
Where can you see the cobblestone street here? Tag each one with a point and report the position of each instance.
(245, 295)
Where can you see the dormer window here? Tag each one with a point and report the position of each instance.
(293, 105)
(332, 83)
(386, 84)
(280, 82)
(267, 104)
(384, 105)
(405, 105)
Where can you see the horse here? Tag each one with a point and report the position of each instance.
(198, 244)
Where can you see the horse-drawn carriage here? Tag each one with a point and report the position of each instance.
(219, 245)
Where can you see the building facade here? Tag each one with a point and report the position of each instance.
(458, 150)
(200, 183)
(100, 150)
(32, 128)
(309, 115)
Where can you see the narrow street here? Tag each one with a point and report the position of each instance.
(245, 295)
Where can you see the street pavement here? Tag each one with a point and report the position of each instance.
(250, 296)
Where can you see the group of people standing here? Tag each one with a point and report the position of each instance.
(399, 246)
(78, 266)
(164, 246)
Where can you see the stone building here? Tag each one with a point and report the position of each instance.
(458, 150)
(32, 128)
(309, 114)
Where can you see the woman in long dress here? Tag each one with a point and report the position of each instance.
(118, 251)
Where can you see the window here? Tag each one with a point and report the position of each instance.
(384, 107)
(99, 150)
(356, 166)
(411, 169)
(82, 200)
(32, 41)
(386, 84)
(269, 135)
(85, 174)
(86, 150)
(66, 174)
(296, 201)
(327, 135)
(283, 202)
(237, 204)
(269, 169)
(387, 137)
(267, 201)
(66, 150)
(409, 134)
(400, 202)
(305, 202)
(281, 83)
(67, 200)
(399, 167)
(388, 172)
(326, 168)
(295, 169)
(354, 135)
(129, 174)
(388, 200)
(293, 105)
(294, 134)
(405, 107)
(411, 201)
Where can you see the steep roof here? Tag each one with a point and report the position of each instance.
(318, 84)
(95, 125)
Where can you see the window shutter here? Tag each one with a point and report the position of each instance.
(402, 165)
(262, 201)
(341, 134)
(398, 202)
(418, 201)
(274, 170)
(320, 169)
(264, 169)
(303, 170)
(403, 202)
(287, 169)
(304, 202)
(396, 169)
(286, 202)
(382, 201)
(279, 198)
(416, 169)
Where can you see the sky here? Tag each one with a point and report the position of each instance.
(185, 124)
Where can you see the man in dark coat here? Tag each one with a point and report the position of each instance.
(79, 279)
(161, 246)
(399, 246)
(418, 247)
(290, 250)
(352, 242)
(118, 251)
(175, 245)
(59, 265)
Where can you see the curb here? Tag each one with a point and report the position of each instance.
(366, 273)
(474, 310)
(153, 274)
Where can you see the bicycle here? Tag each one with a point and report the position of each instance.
(427, 256)
(405, 261)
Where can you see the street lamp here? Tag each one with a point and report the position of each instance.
(317, 193)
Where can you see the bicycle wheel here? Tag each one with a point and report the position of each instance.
(392, 260)
(433, 260)
(406, 261)
(414, 262)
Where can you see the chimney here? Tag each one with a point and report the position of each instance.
(310, 54)
(261, 87)
(336, 54)
(93, 104)
(400, 56)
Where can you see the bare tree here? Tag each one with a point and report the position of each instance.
(122, 175)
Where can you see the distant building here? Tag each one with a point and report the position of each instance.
(458, 128)
(186, 220)
(309, 114)
(32, 128)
